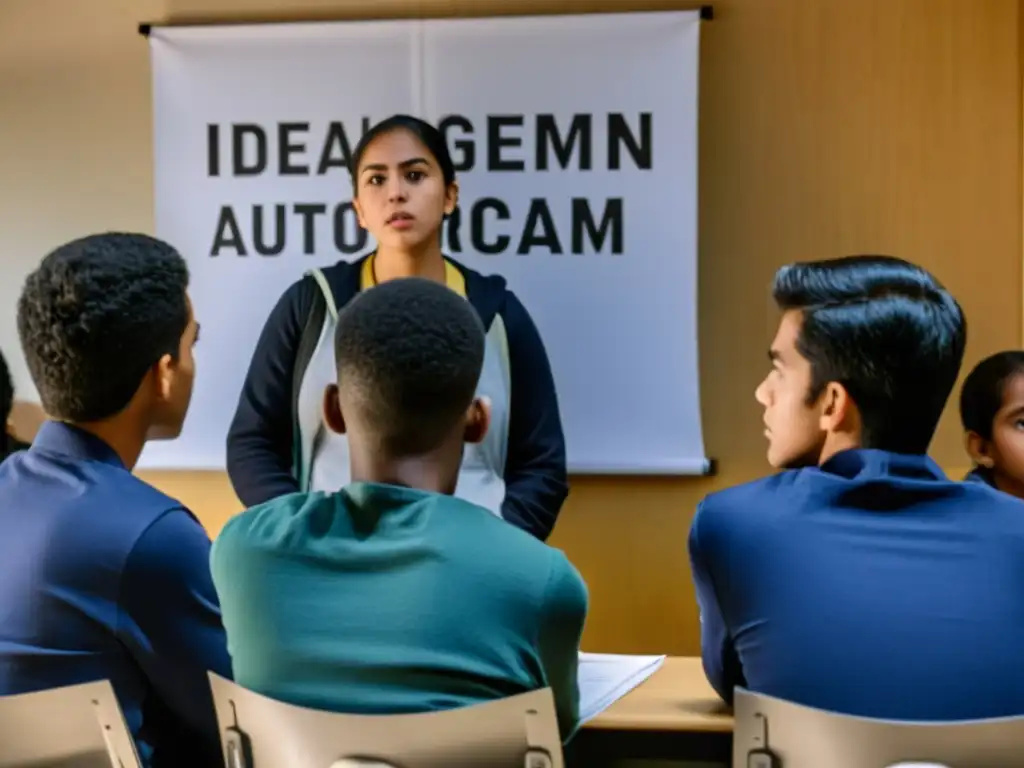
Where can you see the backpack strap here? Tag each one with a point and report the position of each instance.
(325, 291)
(497, 336)
(498, 325)
(323, 302)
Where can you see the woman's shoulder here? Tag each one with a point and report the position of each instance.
(491, 295)
(488, 289)
(342, 277)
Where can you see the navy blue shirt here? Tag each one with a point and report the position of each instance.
(872, 586)
(104, 577)
(980, 475)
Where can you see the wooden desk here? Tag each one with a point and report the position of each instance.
(673, 715)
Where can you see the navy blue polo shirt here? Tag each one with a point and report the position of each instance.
(104, 577)
(872, 585)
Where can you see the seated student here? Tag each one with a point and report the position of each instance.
(101, 575)
(992, 413)
(860, 579)
(8, 442)
(391, 595)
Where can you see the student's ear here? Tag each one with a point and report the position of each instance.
(451, 198)
(478, 420)
(164, 372)
(332, 410)
(838, 411)
(980, 450)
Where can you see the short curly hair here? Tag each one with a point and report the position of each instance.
(95, 316)
(410, 352)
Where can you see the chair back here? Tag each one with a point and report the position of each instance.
(76, 726)
(805, 737)
(259, 732)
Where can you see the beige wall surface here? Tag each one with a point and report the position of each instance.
(827, 127)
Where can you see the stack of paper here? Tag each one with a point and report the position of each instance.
(605, 678)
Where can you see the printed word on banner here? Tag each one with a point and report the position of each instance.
(575, 144)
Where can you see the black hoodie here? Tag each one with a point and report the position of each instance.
(260, 440)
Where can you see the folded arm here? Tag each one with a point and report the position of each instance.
(563, 617)
(170, 622)
(718, 653)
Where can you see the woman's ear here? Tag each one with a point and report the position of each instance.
(359, 211)
(979, 449)
(451, 198)
(333, 417)
(478, 420)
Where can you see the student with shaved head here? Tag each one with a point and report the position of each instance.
(391, 594)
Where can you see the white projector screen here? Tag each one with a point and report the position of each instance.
(576, 139)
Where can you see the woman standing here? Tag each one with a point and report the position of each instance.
(403, 188)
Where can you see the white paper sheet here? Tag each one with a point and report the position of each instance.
(604, 678)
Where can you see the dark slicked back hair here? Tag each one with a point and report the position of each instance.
(981, 396)
(410, 352)
(95, 316)
(888, 332)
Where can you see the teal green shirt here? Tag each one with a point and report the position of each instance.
(380, 599)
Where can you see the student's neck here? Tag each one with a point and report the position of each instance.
(122, 435)
(1008, 484)
(837, 442)
(421, 472)
(427, 262)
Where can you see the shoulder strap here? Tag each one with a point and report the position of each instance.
(502, 338)
(323, 302)
(325, 291)
(456, 277)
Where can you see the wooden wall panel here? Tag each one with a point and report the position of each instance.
(827, 127)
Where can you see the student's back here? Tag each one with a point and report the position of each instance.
(101, 576)
(96, 584)
(861, 579)
(391, 595)
(381, 599)
(873, 586)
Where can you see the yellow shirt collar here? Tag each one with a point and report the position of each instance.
(452, 276)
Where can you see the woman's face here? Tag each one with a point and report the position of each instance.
(401, 198)
(1004, 454)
